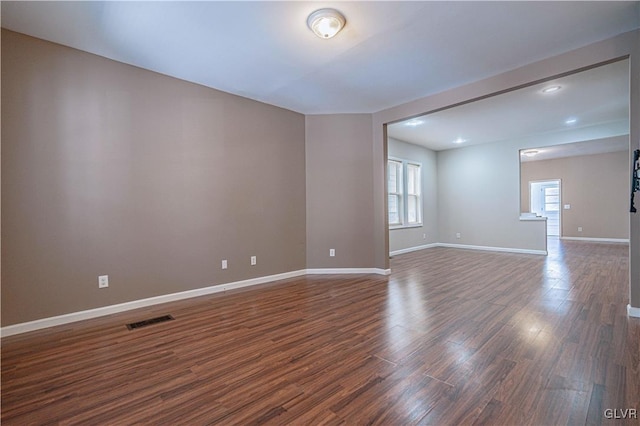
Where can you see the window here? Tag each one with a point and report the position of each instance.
(551, 199)
(394, 169)
(404, 193)
(414, 213)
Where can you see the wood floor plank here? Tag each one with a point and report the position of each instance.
(451, 337)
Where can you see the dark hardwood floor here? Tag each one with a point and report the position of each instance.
(451, 337)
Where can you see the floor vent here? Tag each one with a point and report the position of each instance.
(149, 322)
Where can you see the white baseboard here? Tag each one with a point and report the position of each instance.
(142, 303)
(25, 327)
(601, 240)
(633, 312)
(324, 271)
(499, 249)
(410, 249)
(469, 247)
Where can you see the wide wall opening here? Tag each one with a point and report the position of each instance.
(479, 160)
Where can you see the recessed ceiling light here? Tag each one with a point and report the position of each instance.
(459, 141)
(551, 89)
(571, 121)
(413, 123)
(326, 23)
(530, 153)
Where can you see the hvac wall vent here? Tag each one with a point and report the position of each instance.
(150, 321)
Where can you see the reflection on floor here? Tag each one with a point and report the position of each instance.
(546, 338)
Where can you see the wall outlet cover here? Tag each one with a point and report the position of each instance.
(103, 281)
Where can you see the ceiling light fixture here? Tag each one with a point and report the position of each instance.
(413, 123)
(571, 121)
(551, 89)
(530, 153)
(326, 23)
(459, 141)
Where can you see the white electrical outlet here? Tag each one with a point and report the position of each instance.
(103, 281)
(332, 252)
(254, 260)
(457, 235)
(567, 206)
(579, 228)
(224, 264)
(424, 236)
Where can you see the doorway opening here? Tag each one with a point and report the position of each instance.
(545, 201)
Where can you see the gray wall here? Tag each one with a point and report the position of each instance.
(403, 238)
(634, 138)
(479, 197)
(339, 191)
(111, 169)
(596, 187)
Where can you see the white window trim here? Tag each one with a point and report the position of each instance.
(403, 196)
(398, 194)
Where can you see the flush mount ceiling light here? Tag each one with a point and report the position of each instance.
(325, 23)
(530, 153)
(551, 89)
(571, 121)
(459, 141)
(413, 123)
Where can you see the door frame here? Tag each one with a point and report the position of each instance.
(560, 205)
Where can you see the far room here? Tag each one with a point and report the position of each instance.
(563, 149)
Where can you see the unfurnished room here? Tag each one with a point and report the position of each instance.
(306, 213)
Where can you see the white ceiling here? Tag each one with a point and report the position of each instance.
(389, 52)
(597, 146)
(598, 99)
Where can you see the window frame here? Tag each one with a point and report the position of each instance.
(404, 195)
(417, 184)
(399, 165)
